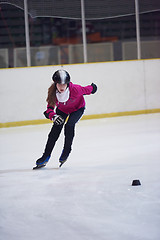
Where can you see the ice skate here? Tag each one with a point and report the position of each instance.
(64, 156)
(41, 162)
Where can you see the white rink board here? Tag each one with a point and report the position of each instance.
(122, 86)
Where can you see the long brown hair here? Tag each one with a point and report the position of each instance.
(51, 98)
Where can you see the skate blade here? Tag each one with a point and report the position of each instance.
(39, 166)
(62, 164)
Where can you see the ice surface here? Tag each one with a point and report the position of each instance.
(90, 197)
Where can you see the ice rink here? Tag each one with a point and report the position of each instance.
(90, 197)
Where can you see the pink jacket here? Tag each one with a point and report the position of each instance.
(75, 101)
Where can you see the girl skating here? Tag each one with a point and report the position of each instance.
(69, 102)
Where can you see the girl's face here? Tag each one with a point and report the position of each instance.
(61, 87)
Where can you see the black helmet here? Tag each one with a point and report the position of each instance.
(61, 76)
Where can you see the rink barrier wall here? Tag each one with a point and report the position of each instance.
(124, 88)
(85, 117)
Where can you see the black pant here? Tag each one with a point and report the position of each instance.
(69, 132)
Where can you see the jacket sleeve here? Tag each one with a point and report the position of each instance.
(49, 113)
(87, 90)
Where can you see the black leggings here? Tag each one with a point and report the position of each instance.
(69, 131)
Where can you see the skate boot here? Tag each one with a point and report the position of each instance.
(64, 156)
(41, 162)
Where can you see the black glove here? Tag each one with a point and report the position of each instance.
(48, 111)
(57, 119)
(94, 88)
(46, 114)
